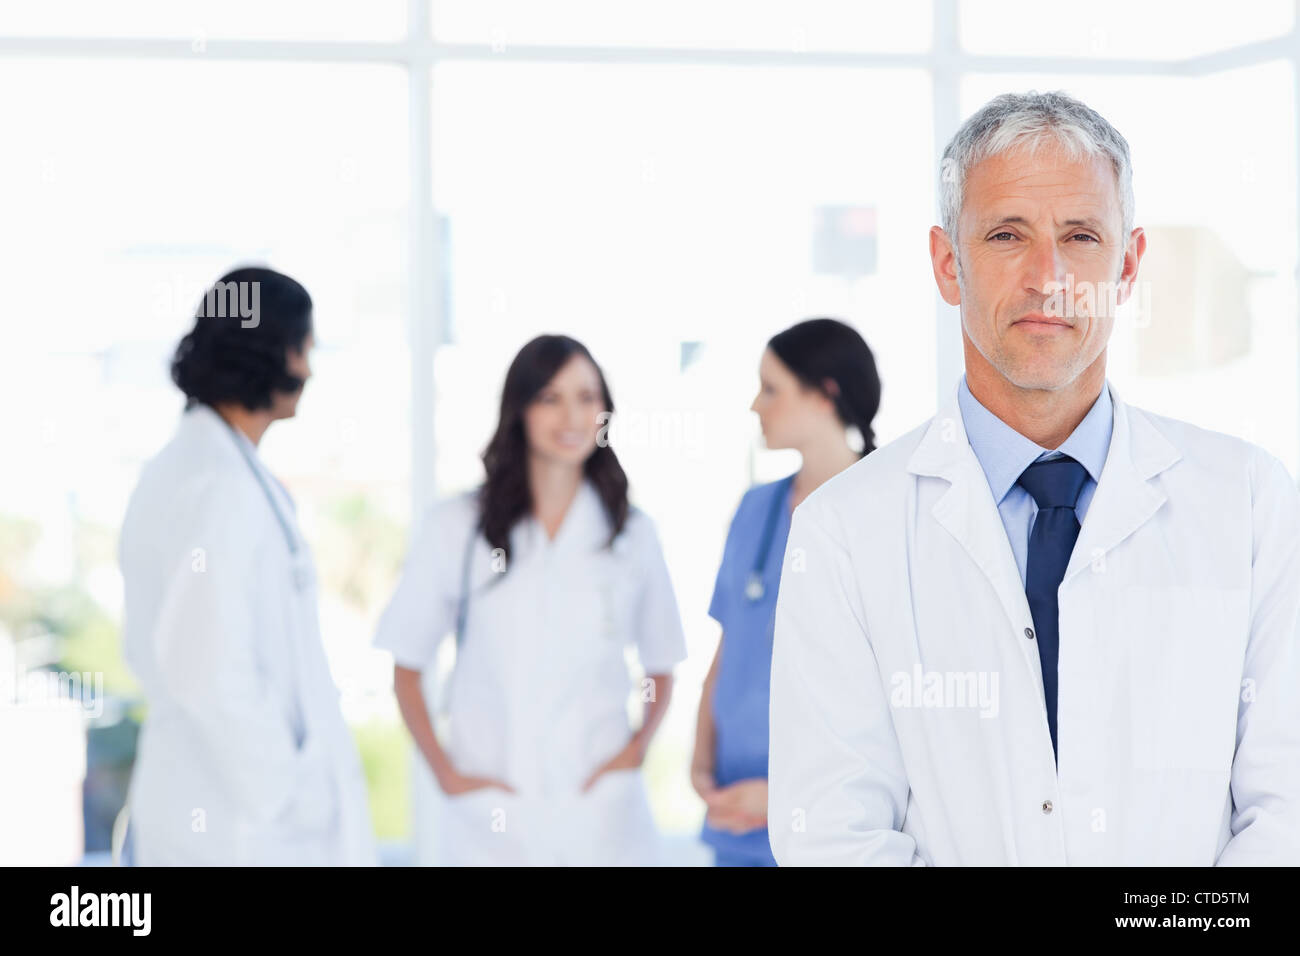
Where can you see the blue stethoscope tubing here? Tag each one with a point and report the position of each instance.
(754, 586)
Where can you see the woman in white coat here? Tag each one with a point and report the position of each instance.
(244, 757)
(547, 576)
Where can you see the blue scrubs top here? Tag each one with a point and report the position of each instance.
(740, 694)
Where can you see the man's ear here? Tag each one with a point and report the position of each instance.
(944, 260)
(1133, 252)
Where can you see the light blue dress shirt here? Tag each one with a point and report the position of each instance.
(1004, 453)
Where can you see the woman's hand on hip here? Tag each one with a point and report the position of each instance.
(629, 758)
(453, 783)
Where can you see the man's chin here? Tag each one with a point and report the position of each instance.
(1037, 377)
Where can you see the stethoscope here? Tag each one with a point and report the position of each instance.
(754, 586)
(301, 575)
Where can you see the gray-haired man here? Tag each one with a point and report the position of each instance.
(1045, 627)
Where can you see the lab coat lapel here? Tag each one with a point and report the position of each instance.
(584, 528)
(967, 509)
(1125, 499)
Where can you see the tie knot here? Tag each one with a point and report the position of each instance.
(1054, 482)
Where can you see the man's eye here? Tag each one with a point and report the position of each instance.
(998, 235)
(1084, 235)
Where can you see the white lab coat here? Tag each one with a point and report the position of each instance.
(244, 757)
(1179, 695)
(540, 691)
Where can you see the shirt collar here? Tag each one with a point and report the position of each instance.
(1004, 453)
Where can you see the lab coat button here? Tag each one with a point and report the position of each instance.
(1047, 806)
(1029, 633)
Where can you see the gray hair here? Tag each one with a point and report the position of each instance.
(1015, 120)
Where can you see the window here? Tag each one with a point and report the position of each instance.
(1151, 31)
(841, 25)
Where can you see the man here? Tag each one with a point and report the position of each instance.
(244, 757)
(1045, 627)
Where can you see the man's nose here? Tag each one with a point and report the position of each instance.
(1046, 268)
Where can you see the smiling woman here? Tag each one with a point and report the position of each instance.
(551, 405)
(557, 578)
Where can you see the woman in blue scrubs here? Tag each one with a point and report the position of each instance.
(817, 381)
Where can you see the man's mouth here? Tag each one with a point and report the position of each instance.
(1037, 320)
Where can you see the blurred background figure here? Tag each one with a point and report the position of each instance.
(547, 575)
(818, 393)
(244, 757)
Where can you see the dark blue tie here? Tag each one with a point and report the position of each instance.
(1055, 485)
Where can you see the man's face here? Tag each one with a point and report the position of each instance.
(1044, 264)
(298, 364)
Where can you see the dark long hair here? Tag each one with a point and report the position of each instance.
(506, 497)
(238, 349)
(822, 350)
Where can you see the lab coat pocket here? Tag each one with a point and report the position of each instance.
(298, 846)
(305, 832)
(1186, 648)
(481, 827)
(613, 825)
(315, 805)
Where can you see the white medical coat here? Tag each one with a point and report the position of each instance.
(540, 690)
(244, 757)
(908, 723)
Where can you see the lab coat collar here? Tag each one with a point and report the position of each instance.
(1124, 500)
(967, 510)
(203, 420)
(585, 525)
